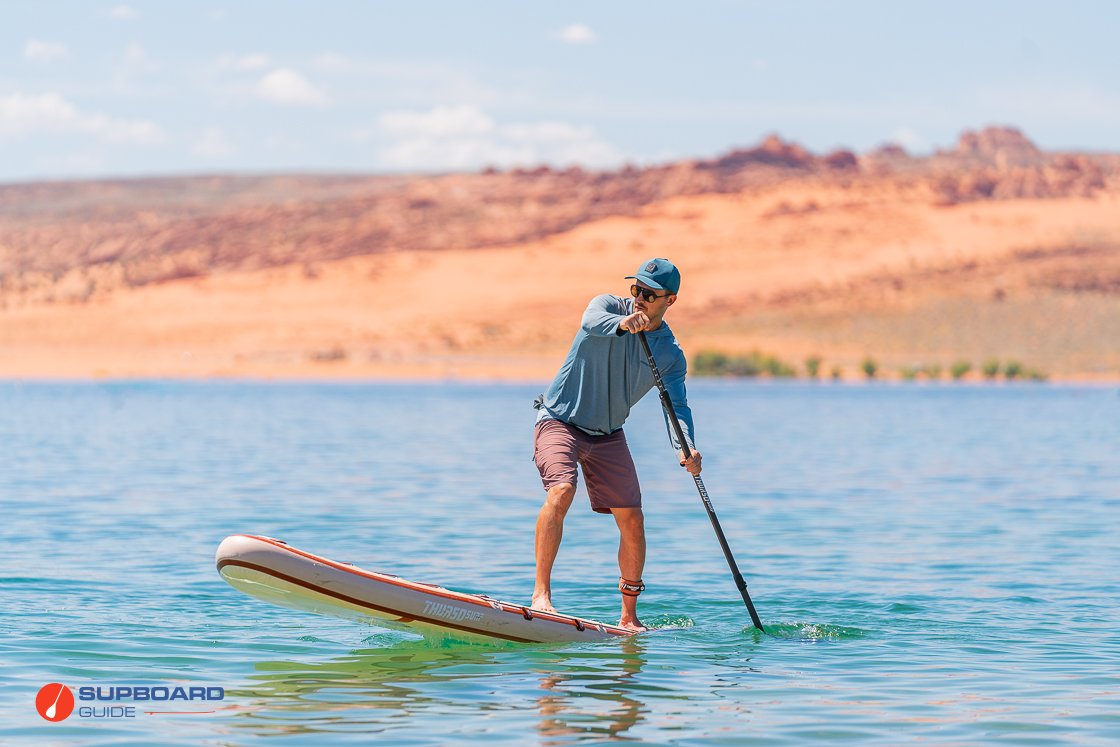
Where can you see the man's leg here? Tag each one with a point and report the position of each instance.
(631, 559)
(550, 530)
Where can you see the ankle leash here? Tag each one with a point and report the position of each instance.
(630, 589)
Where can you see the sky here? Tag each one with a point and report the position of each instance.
(93, 89)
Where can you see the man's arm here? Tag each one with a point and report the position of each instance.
(603, 315)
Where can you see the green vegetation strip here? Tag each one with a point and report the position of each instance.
(757, 363)
(714, 363)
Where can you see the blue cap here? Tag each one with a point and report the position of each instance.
(659, 274)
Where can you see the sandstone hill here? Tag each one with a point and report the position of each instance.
(991, 248)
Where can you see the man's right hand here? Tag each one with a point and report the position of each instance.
(636, 322)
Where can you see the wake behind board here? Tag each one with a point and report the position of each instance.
(275, 572)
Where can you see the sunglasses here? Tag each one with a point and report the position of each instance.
(648, 295)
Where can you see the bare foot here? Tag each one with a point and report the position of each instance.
(633, 624)
(542, 602)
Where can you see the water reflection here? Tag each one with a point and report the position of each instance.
(592, 692)
(589, 702)
(370, 690)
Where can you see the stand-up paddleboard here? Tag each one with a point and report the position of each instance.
(275, 572)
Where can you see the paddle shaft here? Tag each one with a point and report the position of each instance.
(668, 403)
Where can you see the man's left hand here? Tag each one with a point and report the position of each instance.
(692, 464)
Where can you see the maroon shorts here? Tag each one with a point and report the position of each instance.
(612, 481)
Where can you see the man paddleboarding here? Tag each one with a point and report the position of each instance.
(580, 421)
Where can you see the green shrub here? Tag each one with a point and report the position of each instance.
(869, 367)
(1013, 369)
(813, 365)
(990, 368)
(745, 365)
(709, 363)
(777, 367)
(836, 372)
(908, 372)
(1035, 375)
(715, 363)
(933, 370)
(960, 368)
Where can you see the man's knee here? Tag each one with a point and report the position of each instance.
(630, 520)
(559, 497)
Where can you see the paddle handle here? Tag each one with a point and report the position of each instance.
(668, 404)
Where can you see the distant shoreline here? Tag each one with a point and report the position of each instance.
(1086, 380)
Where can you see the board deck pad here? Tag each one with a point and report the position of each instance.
(275, 572)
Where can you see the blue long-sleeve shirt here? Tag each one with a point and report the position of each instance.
(606, 373)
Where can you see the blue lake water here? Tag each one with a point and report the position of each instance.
(939, 564)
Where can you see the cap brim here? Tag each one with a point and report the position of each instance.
(647, 280)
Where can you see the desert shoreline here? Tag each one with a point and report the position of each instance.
(995, 251)
(434, 379)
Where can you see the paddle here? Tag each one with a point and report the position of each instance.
(668, 403)
(52, 710)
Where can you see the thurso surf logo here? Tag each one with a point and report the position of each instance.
(450, 612)
(54, 702)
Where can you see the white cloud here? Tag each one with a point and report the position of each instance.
(562, 143)
(424, 154)
(910, 140)
(123, 12)
(23, 115)
(213, 144)
(463, 137)
(443, 121)
(548, 132)
(577, 33)
(285, 86)
(255, 61)
(41, 51)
